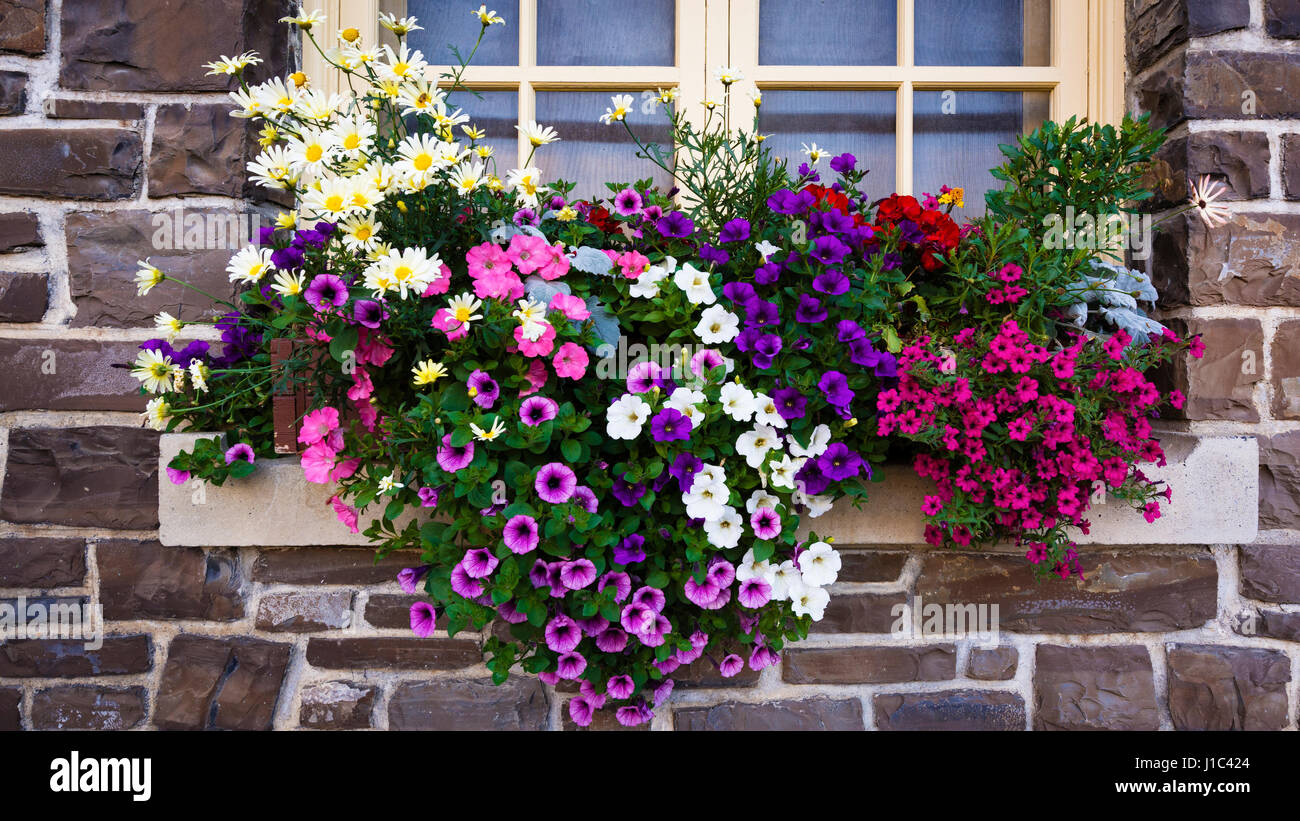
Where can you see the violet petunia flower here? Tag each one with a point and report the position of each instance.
(369, 313)
(790, 403)
(452, 458)
(810, 310)
(409, 578)
(538, 409)
(627, 493)
(630, 549)
(484, 389)
(463, 584)
(829, 250)
(570, 666)
(737, 230)
(613, 640)
(831, 282)
(620, 687)
(479, 563)
(424, 619)
(520, 534)
(581, 711)
(555, 483)
(835, 387)
(731, 665)
(562, 634)
(240, 451)
(577, 574)
(326, 291)
(622, 585)
(839, 463)
(675, 224)
(670, 425)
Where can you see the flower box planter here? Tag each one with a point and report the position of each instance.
(1215, 483)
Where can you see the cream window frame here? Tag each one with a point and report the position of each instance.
(1085, 77)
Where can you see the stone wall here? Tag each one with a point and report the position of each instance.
(106, 121)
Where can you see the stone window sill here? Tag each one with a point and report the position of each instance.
(1215, 483)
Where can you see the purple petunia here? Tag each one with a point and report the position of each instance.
(754, 593)
(409, 578)
(766, 347)
(555, 483)
(844, 163)
(626, 492)
(538, 409)
(479, 563)
(684, 468)
(428, 496)
(810, 310)
(716, 256)
(835, 387)
(838, 462)
(766, 523)
(829, 250)
(326, 291)
(612, 640)
(736, 230)
(630, 550)
(786, 201)
(452, 458)
(790, 403)
(520, 534)
(759, 313)
(675, 224)
(369, 313)
(562, 634)
(767, 273)
(484, 390)
(670, 425)
(831, 282)
(577, 574)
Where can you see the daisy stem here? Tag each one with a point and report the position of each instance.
(202, 292)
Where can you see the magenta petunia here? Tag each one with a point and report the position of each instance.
(409, 578)
(452, 458)
(593, 626)
(721, 573)
(510, 613)
(667, 665)
(620, 687)
(555, 483)
(584, 496)
(763, 657)
(613, 640)
(731, 665)
(622, 585)
(663, 691)
(479, 563)
(766, 523)
(463, 584)
(424, 619)
(538, 409)
(571, 666)
(651, 597)
(588, 691)
(520, 534)
(539, 575)
(240, 451)
(428, 496)
(562, 634)
(632, 716)
(578, 574)
(754, 593)
(581, 711)
(178, 477)
(701, 595)
(638, 618)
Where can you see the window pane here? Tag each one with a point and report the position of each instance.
(449, 23)
(983, 32)
(859, 122)
(496, 112)
(606, 33)
(591, 153)
(828, 32)
(956, 137)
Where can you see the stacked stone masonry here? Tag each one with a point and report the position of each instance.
(104, 127)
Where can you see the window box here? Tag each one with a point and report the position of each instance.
(1215, 483)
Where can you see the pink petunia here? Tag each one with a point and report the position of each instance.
(439, 285)
(537, 378)
(317, 462)
(571, 306)
(528, 253)
(178, 477)
(542, 346)
(443, 320)
(570, 361)
(317, 425)
(555, 264)
(347, 515)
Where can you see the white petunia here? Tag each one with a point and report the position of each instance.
(765, 412)
(686, 401)
(819, 565)
(724, 531)
(737, 401)
(646, 285)
(706, 500)
(626, 416)
(761, 498)
(766, 249)
(817, 505)
(750, 569)
(695, 284)
(783, 471)
(716, 325)
(754, 445)
(810, 601)
(784, 578)
(821, 438)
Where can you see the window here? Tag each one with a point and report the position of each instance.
(921, 91)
